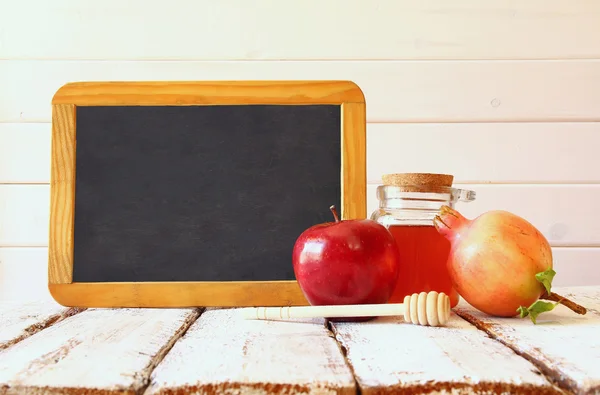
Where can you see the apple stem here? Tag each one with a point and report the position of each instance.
(334, 211)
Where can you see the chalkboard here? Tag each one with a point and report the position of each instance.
(193, 193)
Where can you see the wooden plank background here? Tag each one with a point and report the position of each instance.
(505, 95)
(240, 356)
(388, 355)
(563, 345)
(46, 348)
(24, 210)
(22, 319)
(340, 29)
(395, 91)
(109, 351)
(491, 153)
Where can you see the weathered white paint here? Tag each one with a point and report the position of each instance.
(387, 352)
(473, 152)
(395, 91)
(561, 212)
(339, 29)
(103, 350)
(563, 344)
(224, 353)
(587, 296)
(19, 320)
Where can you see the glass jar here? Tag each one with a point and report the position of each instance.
(408, 203)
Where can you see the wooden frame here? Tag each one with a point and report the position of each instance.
(182, 93)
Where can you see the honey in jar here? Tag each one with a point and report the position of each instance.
(408, 203)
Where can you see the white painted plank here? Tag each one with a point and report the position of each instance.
(250, 356)
(25, 152)
(24, 215)
(586, 295)
(473, 152)
(96, 351)
(487, 152)
(24, 275)
(404, 91)
(561, 212)
(563, 344)
(389, 355)
(339, 29)
(576, 266)
(20, 319)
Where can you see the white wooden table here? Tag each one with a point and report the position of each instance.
(48, 349)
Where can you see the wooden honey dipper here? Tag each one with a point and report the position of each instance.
(425, 308)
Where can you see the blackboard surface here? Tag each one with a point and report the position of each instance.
(200, 193)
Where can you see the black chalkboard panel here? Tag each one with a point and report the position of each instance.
(200, 193)
(193, 193)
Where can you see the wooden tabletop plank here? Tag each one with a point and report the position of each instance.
(389, 355)
(587, 296)
(222, 353)
(95, 351)
(20, 320)
(564, 345)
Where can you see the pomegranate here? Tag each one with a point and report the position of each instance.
(500, 263)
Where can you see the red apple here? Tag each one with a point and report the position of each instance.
(346, 262)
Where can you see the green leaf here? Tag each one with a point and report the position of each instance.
(523, 311)
(538, 307)
(546, 278)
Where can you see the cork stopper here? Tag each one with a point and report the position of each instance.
(418, 179)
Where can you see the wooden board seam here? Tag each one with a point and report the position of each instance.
(158, 331)
(40, 326)
(264, 357)
(344, 353)
(166, 348)
(450, 386)
(564, 383)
